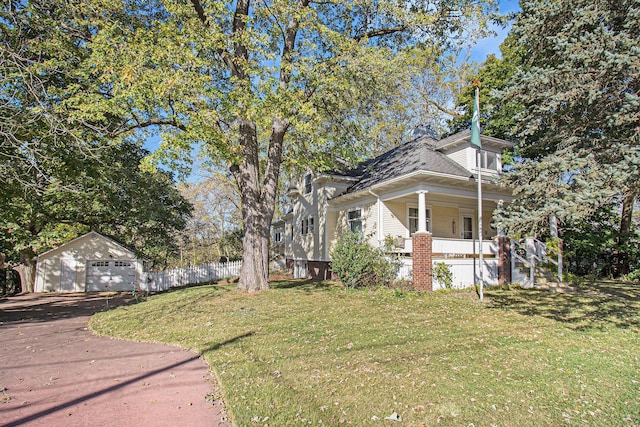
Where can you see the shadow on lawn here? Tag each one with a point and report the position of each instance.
(593, 305)
(308, 285)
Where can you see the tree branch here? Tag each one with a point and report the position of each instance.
(381, 32)
(442, 108)
(148, 123)
(224, 55)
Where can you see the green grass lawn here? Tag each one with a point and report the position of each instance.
(316, 354)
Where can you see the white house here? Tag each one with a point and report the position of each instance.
(91, 262)
(423, 189)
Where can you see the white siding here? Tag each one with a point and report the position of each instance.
(395, 221)
(311, 246)
(72, 257)
(460, 156)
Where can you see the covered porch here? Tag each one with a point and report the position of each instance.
(429, 223)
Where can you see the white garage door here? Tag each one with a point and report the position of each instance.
(111, 275)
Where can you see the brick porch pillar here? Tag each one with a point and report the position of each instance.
(504, 260)
(422, 261)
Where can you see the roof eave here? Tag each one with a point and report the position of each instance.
(402, 178)
(465, 138)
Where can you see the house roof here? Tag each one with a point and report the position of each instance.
(421, 154)
(84, 236)
(416, 155)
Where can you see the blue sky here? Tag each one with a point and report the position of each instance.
(491, 45)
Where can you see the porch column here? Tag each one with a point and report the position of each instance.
(422, 249)
(504, 254)
(422, 211)
(504, 259)
(422, 261)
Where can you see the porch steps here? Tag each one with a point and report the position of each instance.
(546, 280)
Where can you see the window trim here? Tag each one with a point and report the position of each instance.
(354, 220)
(429, 209)
(307, 225)
(307, 184)
(484, 159)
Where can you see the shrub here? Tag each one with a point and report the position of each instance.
(443, 275)
(358, 264)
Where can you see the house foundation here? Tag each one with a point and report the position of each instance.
(422, 261)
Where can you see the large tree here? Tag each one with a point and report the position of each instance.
(577, 115)
(62, 170)
(263, 86)
(108, 193)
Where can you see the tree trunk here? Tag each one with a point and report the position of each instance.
(254, 275)
(27, 270)
(258, 201)
(622, 259)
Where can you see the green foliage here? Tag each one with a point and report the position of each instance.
(496, 112)
(358, 264)
(231, 246)
(109, 193)
(570, 95)
(443, 274)
(633, 276)
(578, 125)
(591, 246)
(66, 166)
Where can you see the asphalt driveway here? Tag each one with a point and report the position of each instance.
(55, 372)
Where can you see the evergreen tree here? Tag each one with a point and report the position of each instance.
(578, 114)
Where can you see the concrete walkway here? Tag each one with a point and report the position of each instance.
(55, 372)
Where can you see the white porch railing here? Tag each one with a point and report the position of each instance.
(454, 248)
(461, 257)
(163, 280)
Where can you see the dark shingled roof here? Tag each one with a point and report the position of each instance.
(417, 155)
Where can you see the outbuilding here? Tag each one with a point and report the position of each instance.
(91, 262)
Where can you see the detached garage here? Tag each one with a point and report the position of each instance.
(92, 262)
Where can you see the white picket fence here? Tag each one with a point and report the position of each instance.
(163, 280)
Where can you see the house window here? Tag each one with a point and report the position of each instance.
(307, 183)
(489, 160)
(100, 264)
(354, 217)
(307, 225)
(277, 236)
(413, 220)
(467, 228)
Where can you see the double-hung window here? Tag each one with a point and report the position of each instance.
(354, 217)
(413, 220)
(307, 225)
(489, 160)
(307, 183)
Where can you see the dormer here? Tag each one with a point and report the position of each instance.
(458, 148)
